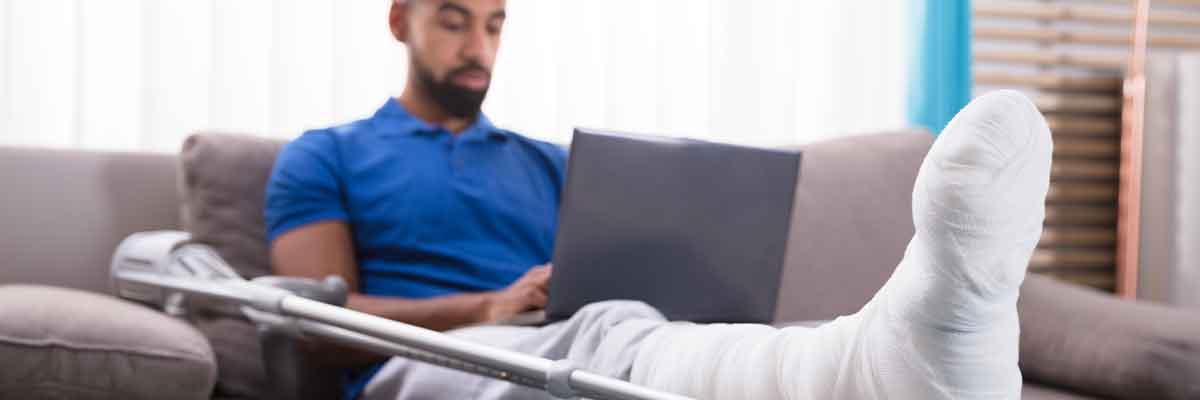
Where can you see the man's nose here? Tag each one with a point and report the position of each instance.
(478, 47)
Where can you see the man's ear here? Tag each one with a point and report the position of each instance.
(398, 20)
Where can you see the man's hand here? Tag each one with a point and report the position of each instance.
(526, 294)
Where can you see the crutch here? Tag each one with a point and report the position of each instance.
(161, 268)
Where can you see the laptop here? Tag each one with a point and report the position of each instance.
(696, 229)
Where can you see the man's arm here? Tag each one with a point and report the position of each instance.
(326, 248)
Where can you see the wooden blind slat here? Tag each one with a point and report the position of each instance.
(1080, 215)
(1081, 37)
(1076, 169)
(1078, 237)
(1062, 12)
(1084, 125)
(1051, 81)
(1052, 58)
(1093, 148)
(1075, 193)
(1089, 258)
(1078, 103)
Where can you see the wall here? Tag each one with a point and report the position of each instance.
(143, 74)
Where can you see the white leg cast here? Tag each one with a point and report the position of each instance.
(944, 326)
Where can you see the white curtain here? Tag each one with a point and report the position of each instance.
(143, 74)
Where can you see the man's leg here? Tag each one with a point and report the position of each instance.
(945, 324)
(601, 338)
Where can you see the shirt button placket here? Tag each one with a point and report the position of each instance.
(453, 153)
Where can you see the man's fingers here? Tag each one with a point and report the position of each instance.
(540, 270)
(541, 281)
(536, 275)
(537, 299)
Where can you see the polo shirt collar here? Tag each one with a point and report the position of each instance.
(393, 118)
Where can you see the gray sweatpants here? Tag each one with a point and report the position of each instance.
(603, 338)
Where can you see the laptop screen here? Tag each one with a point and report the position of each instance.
(696, 229)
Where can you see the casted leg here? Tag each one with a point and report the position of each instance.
(944, 325)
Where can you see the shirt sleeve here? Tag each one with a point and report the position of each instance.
(557, 156)
(305, 186)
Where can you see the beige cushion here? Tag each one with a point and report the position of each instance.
(224, 180)
(65, 343)
(1035, 391)
(1092, 342)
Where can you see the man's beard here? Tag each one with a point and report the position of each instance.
(455, 100)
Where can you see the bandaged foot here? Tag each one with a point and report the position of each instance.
(944, 326)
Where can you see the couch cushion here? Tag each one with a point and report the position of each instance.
(1092, 342)
(1036, 391)
(241, 372)
(65, 343)
(224, 180)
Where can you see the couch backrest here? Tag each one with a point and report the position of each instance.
(851, 222)
(63, 212)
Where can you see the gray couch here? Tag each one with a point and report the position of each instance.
(64, 212)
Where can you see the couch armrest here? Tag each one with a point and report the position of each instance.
(1086, 340)
(66, 343)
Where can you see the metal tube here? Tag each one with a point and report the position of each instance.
(354, 339)
(396, 338)
(192, 286)
(417, 337)
(525, 367)
(589, 384)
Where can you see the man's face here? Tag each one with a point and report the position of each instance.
(452, 45)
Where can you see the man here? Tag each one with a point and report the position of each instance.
(432, 213)
(435, 218)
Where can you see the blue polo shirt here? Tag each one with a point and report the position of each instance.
(432, 213)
